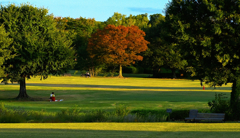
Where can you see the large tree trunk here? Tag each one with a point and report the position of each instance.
(156, 72)
(120, 72)
(92, 71)
(22, 93)
(234, 98)
(235, 93)
(174, 73)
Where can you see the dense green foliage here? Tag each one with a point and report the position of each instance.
(5, 49)
(39, 47)
(118, 19)
(82, 28)
(162, 51)
(207, 33)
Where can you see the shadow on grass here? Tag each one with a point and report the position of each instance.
(113, 95)
(70, 133)
(90, 99)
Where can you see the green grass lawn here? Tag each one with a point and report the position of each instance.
(107, 92)
(120, 130)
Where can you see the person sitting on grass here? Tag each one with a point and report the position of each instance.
(87, 74)
(52, 97)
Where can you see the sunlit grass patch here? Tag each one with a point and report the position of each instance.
(120, 130)
(165, 126)
(103, 92)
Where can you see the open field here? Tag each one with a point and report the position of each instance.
(106, 92)
(120, 130)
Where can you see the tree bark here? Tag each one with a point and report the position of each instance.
(235, 93)
(23, 92)
(91, 71)
(156, 72)
(120, 72)
(174, 73)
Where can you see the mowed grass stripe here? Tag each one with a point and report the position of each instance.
(173, 127)
(116, 81)
(72, 87)
(105, 93)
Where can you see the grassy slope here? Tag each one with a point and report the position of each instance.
(126, 130)
(105, 93)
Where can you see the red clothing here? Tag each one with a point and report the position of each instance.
(53, 98)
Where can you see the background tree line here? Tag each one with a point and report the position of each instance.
(160, 53)
(197, 36)
(34, 43)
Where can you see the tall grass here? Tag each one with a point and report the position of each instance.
(120, 114)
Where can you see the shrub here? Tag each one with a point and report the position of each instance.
(120, 114)
(130, 69)
(219, 104)
(10, 116)
(95, 116)
(150, 115)
(122, 110)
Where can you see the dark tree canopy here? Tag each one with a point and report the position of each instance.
(208, 35)
(40, 48)
(162, 51)
(83, 29)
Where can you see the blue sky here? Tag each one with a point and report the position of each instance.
(101, 10)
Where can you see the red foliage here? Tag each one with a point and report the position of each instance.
(117, 45)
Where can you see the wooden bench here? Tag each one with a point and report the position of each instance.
(210, 117)
(192, 115)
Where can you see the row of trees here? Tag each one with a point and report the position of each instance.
(159, 53)
(34, 43)
(200, 36)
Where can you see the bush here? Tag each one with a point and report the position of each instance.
(121, 110)
(130, 69)
(150, 115)
(120, 114)
(95, 116)
(219, 104)
(12, 117)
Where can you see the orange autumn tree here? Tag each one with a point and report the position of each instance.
(117, 45)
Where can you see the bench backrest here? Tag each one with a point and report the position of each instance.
(210, 115)
(193, 113)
